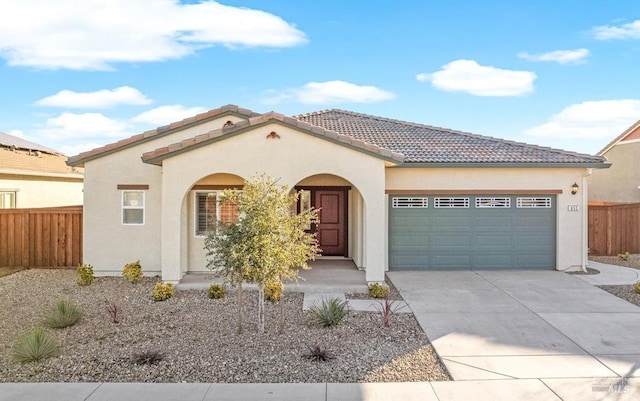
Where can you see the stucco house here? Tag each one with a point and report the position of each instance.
(621, 182)
(393, 195)
(35, 176)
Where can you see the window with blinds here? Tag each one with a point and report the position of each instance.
(132, 207)
(209, 210)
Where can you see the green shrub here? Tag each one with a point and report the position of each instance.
(624, 256)
(378, 290)
(636, 287)
(163, 291)
(84, 275)
(216, 291)
(34, 345)
(273, 290)
(328, 312)
(63, 313)
(132, 272)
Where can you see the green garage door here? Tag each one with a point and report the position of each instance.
(472, 232)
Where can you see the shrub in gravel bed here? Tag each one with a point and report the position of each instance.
(216, 291)
(84, 275)
(34, 345)
(318, 354)
(636, 287)
(328, 312)
(273, 290)
(63, 313)
(149, 357)
(378, 290)
(132, 272)
(163, 291)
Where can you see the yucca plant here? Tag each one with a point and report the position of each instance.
(387, 310)
(63, 313)
(328, 312)
(34, 345)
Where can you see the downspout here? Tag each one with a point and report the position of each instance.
(585, 221)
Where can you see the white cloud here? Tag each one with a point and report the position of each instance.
(68, 127)
(576, 56)
(167, 114)
(626, 31)
(101, 99)
(18, 133)
(601, 119)
(94, 34)
(71, 150)
(470, 77)
(331, 92)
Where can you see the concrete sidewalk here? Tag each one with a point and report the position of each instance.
(610, 275)
(489, 390)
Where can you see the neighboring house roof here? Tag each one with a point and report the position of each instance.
(22, 157)
(425, 144)
(633, 130)
(156, 156)
(407, 143)
(159, 132)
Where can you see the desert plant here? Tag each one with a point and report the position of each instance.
(636, 287)
(378, 290)
(387, 309)
(132, 272)
(63, 313)
(34, 345)
(112, 310)
(328, 312)
(84, 275)
(216, 291)
(624, 256)
(163, 291)
(318, 354)
(149, 357)
(273, 290)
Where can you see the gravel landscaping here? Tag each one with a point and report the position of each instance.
(623, 291)
(633, 261)
(197, 338)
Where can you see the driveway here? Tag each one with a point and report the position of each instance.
(523, 324)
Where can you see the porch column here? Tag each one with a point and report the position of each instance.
(374, 235)
(172, 196)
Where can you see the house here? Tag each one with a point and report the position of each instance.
(34, 176)
(621, 182)
(393, 195)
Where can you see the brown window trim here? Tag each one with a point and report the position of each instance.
(321, 187)
(215, 187)
(133, 186)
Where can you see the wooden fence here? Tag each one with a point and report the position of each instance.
(614, 229)
(50, 237)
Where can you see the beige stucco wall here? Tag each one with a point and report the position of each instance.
(34, 191)
(620, 182)
(108, 244)
(292, 158)
(570, 247)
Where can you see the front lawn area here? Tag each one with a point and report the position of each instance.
(197, 339)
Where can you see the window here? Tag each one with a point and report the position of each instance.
(209, 210)
(133, 207)
(7, 199)
(451, 202)
(533, 203)
(413, 202)
(485, 202)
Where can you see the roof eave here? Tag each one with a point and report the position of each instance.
(620, 137)
(503, 165)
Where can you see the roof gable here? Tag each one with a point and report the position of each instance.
(630, 134)
(428, 145)
(158, 155)
(160, 132)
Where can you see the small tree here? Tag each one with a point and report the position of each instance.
(268, 242)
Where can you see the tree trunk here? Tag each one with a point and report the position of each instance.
(239, 299)
(261, 308)
(281, 328)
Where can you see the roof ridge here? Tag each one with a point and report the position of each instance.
(452, 131)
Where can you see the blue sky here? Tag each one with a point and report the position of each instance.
(79, 74)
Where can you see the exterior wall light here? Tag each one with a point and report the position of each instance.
(574, 188)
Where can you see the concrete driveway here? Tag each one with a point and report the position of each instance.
(523, 324)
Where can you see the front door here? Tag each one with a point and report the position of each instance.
(332, 229)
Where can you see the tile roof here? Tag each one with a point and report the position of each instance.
(426, 144)
(159, 132)
(8, 141)
(21, 157)
(156, 156)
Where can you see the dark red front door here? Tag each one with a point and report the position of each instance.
(332, 228)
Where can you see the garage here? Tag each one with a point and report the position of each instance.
(472, 232)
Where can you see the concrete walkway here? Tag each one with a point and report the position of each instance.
(487, 390)
(610, 275)
(523, 324)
